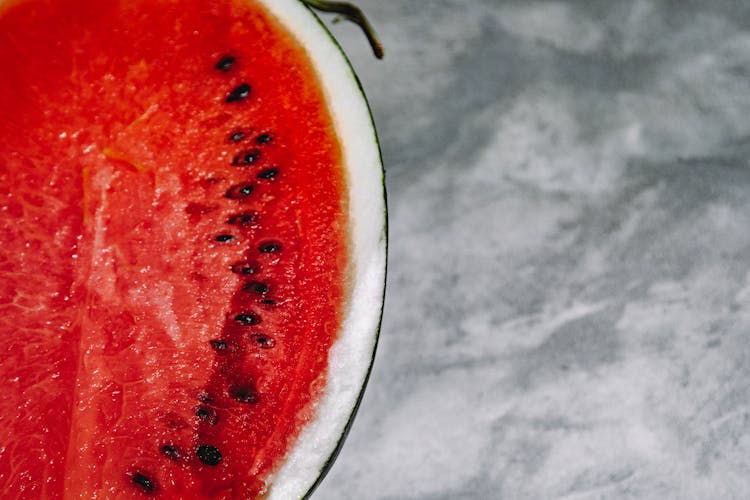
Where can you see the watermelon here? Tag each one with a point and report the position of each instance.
(192, 248)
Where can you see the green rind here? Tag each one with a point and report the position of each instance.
(339, 445)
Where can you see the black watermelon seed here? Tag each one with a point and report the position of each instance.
(220, 346)
(263, 341)
(208, 454)
(207, 415)
(225, 63)
(268, 173)
(263, 138)
(243, 393)
(238, 93)
(268, 302)
(269, 247)
(171, 452)
(245, 267)
(246, 157)
(224, 238)
(243, 219)
(256, 287)
(236, 136)
(247, 319)
(145, 483)
(239, 191)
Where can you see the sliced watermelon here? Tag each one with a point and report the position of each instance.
(192, 248)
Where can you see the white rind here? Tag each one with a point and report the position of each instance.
(352, 354)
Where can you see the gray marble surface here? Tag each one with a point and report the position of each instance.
(568, 305)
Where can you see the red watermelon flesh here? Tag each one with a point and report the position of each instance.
(172, 247)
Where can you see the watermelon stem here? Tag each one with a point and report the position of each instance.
(353, 14)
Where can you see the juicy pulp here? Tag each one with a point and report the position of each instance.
(116, 173)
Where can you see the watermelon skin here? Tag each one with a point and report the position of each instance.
(143, 289)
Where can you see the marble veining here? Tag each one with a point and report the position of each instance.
(568, 304)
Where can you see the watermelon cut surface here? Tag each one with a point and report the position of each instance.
(192, 248)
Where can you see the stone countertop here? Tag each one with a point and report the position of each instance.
(568, 304)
